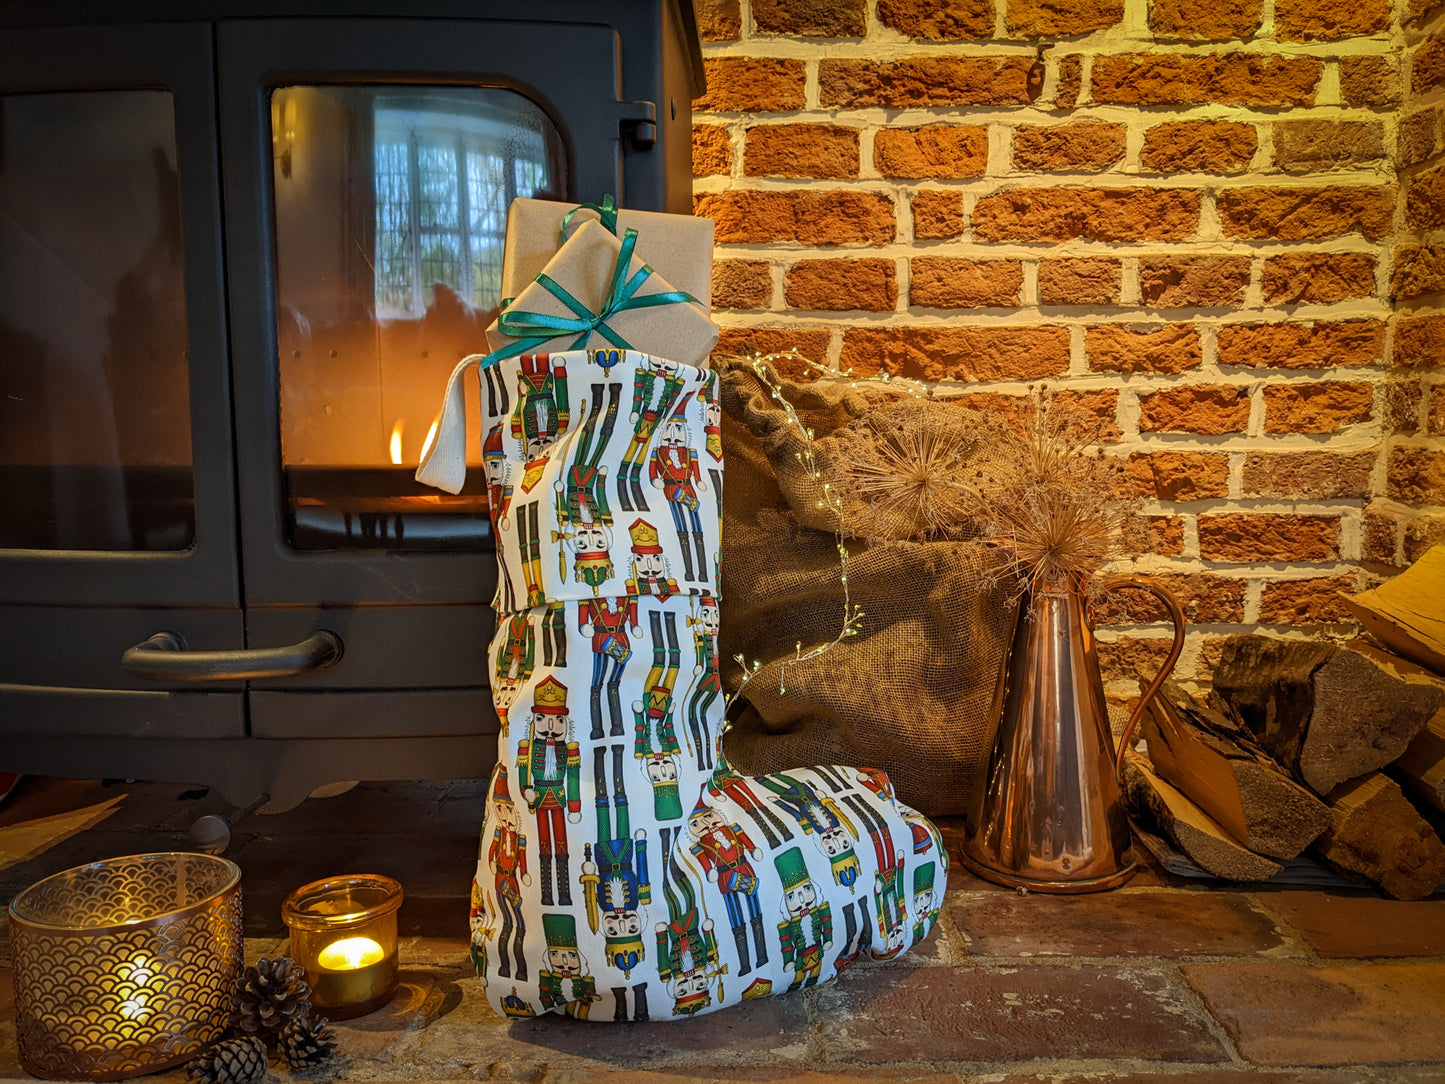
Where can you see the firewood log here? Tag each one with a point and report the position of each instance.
(1327, 713)
(1211, 758)
(1192, 830)
(1378, 835)
(1421, 767)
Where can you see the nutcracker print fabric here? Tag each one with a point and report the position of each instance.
(626, 871)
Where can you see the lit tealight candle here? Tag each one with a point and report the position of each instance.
(350, 954)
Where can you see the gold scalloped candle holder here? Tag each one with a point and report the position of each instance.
(125, 966)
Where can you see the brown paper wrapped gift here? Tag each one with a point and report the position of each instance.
(584, 268)
(678, 246)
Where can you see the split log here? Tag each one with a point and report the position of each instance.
(1192, 830)
(1211, 758)
(1421, 766)
(1407, 613)
(1378, 835)
(1327, 713)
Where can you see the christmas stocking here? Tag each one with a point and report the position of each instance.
(626, 871)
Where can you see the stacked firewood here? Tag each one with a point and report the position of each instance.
(1301, 746)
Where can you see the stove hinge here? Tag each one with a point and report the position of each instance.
(637, 123)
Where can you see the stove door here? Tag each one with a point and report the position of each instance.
(116, 469)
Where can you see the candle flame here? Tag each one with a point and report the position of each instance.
(396, 441)
(431, 436)
(350, 954)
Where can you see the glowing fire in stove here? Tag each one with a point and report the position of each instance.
(396, 441)
(431, 436)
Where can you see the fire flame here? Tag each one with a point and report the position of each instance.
(431, 436)
(396, 441)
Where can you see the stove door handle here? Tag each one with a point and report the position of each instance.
(164, 658)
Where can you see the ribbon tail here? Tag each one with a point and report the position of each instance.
(445, 463)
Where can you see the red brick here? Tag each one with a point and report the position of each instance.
(712, 150)
(975, 1014)
(1421, 533)
(810, 18)
(1371, 81)
(1203, 20)
(1222, 78)
(1299, 1014)
(1167, 924)
(1060, 18)
(1419, 12)
(1069, 82)
(1318, 277)
(718, 20)
(949, 282)
(1099, 407)
(1199, 146)
(1329, 20)
(748, 84)
(937, 215)
(1321, 345)
(1125, 348)
(1356, 926)
(935, 151)
(842, 285)
(1309, 476)
(801, 150)
(1267, 536)
(1169, 282)
(1082, 280)
(1195, 408)
(1102, 214)
(928, 81)
(811, 217)
(1403, 399)
(1325, 407)
(1307, 214)
(1161, 535)
(1435, 417)
(1418, 270)
(811, 342)
(1306, 146)
(1427, 66)
(1380, 533)
(1420, 342)
(1417, 474)
(1177, 476)
(938, 20)
(1130, 657)
(1079, 145)
(958, 353)
(1417, 137)
(1207, 600)
(1425, 200)
(1310, 601)
(742, 284)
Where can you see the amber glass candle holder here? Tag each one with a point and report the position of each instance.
(125, 966)
(343, 932)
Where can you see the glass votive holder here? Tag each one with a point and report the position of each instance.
(343, 933)
(125, 966)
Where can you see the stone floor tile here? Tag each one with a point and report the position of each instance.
(1241, 1075)
(1292, 1014)
(994, 1014)
(1338, 924)
(1165, 923)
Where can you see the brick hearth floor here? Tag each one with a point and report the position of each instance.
(1161, 979)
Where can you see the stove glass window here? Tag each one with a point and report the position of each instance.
(391, 209)
(95, 425)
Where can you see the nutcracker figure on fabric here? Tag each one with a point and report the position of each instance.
(583, 516)
(887, 881)
(686, 948)
(708, 686)
(674, 470)
(554, 635)
(656, 736)
(712, 434)
(515, 662)
(606, 620)
(806, 932)
(726, 855)
(656, 386)
(483, 927)
(924, 913)
(499, 504)
(548, 766)
(540, 416)
(857, 934)
(649, 566)
(565, 966)
(507, 859)
(819, 817)
(725, 782)
(614, 873)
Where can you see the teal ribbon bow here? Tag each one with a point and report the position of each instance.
(534, 329)
(606, 211)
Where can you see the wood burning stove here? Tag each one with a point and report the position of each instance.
(241, 246)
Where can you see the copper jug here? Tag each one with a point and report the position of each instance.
(1050, 816)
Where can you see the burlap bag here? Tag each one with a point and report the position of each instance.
(911, 692)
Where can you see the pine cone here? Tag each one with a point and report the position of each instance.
(271, 995)
(235, 1061)
(307, 1043)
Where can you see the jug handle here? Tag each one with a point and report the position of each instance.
(1176, 615)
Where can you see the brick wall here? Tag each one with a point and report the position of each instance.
(1219, 225)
